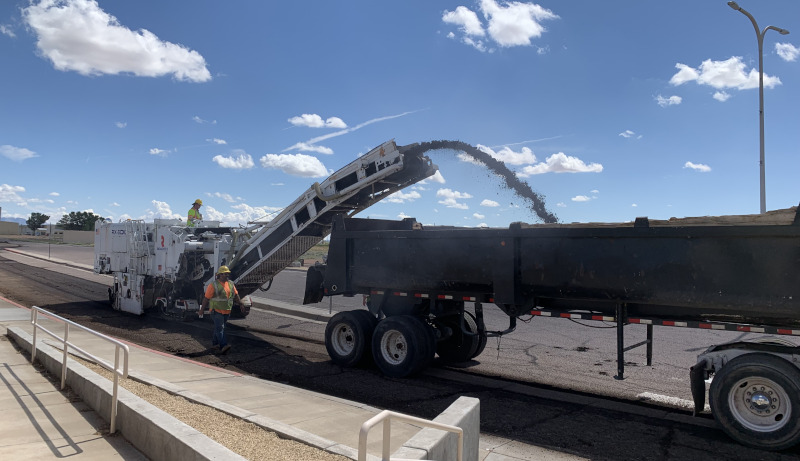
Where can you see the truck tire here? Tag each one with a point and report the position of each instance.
(401, 346)
(482, 339)
(460, 347)
(348, 337)
(756, 400)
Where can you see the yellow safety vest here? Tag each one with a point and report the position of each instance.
(222, 301)
(193, 214)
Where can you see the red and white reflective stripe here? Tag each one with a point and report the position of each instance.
(674, 323)
(421, 295)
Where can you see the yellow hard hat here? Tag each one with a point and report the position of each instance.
(223, 270)
(197, 202)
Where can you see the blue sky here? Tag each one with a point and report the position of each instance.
(610, 110)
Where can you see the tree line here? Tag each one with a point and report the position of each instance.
(75, 220)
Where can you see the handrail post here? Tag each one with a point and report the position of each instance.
(34, 315)
(64, 359)
(387, 436)
(65, 345)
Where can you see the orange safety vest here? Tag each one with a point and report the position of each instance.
(222, 301)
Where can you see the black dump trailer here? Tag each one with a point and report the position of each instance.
(738, 273)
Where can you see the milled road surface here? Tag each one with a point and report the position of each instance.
(599, 430)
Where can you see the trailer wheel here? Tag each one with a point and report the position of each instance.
(460, 347)
(401, 346)
(482, 339)
(756, 400)
(348, 337)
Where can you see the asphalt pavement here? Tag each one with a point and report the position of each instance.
(328, 423)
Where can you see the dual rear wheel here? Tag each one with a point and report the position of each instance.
(400, 345)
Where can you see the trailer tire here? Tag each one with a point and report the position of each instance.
(482, 339)
(348, 337)
(400, 346)
(767, 425)
(460, 347)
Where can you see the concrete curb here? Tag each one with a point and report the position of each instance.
(158, 435)
(465, 413)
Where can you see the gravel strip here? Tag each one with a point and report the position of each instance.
(243, 438)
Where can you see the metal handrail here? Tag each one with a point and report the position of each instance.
(387, 416)
(65, 345)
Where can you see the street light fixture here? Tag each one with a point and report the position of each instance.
(760, 36)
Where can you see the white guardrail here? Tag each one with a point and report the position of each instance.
(386, 417)
(65, 345)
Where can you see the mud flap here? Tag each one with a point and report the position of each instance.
(697, 377)
(314, 278)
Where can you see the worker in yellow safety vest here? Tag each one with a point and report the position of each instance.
(219, 299)
(194, 213)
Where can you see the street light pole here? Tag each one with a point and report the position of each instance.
(760, 35)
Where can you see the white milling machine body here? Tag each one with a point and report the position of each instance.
(166, 265)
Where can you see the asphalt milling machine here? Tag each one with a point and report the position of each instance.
(165, 266)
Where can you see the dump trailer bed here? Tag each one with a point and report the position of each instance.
(738, 273)
(735, 268)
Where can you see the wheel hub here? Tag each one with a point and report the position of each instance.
(760, 404)
(761, 399)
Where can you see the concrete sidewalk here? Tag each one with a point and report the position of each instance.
(40, 422)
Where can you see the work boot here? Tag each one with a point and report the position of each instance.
(225, 349)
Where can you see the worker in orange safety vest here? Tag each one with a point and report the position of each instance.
(219, 298)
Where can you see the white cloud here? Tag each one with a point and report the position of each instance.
(627, 134)
(722, 75)
(239, 161)
(54, 194)
(5, 29)
(478, 216)
(508, 156)
(202, 121)
(217, 141)
(787, 51)
(306, 147)
(697, 167)
(561, 205)
(315, 121)
(77, 35)
(160, 152)
(121, 124)
(450, 198)
(515, 23)
(670, 101)
(581, 198)
(466, 19)
(721, 96)
(114, 204)
(402, 197)
(227, 197)
(489, 203)
(561, 163)
(162, 210)
(296, 165)
(507, 23)
(10, 194)
(16, 154)
(436, 177)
